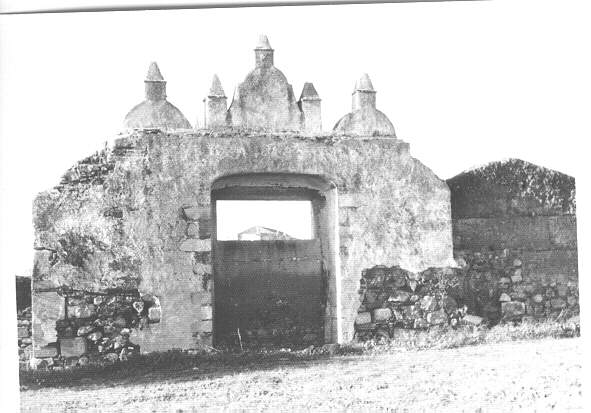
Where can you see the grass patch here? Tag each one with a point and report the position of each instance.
(446, 337)
(198, 365)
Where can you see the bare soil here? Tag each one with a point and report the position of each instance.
(538, 375)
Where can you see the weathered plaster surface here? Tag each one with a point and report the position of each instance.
(138, 216)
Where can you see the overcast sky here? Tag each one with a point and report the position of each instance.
(464, 83)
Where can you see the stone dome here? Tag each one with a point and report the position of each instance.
(365, 119)
(365, 122)
(265, 99)
(155, 111)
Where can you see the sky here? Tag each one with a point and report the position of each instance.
(464, 83)
(291, 217)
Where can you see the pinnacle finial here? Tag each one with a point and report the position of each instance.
(364, 84)
(216, 87)
(309, 91)
(263, 43)
(154, 74)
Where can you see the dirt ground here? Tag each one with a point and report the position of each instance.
(528, 376)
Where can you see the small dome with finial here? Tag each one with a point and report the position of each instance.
(365, 119)
(155, 112)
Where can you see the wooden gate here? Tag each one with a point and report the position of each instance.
(268, 293)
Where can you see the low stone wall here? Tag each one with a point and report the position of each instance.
(393, 297)
(91, 327)
(24, 334)
(486, 287)
(506, 285)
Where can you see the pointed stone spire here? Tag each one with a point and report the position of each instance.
(309, 92)
(263, 53)
(310, 107)
(216, 105)
(154, 74)
(364, 94)
(216, 89)
(155, 84)
(364, 84)
(263, 43)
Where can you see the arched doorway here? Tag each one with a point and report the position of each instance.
(271, 288)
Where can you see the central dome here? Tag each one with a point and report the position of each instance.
(265, 99)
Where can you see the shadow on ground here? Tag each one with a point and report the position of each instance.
(175, 367)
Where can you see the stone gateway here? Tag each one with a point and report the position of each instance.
(127, 252)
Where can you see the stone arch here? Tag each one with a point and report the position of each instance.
(322, 193)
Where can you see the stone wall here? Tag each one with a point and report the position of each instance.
(24, 334)
(396, 298)
(83, 327)
(516, 212)
(137, 217)
(486, 288)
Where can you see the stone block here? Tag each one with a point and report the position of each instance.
(45, 352)
(84, 330)
(428, 303)
(81, 311)
(420, 323)
(538, 298)
(192, 213)
(504, 297)
(558, 303)
(518, 293)
(72, 347)
(23, 332)
(504, 283)
(572, 300)
(363, 318)
(437, 317)
(562, 290)
(41, 263)
(154, 314)
(201, 269)
(204, 227)
(195, 245)
(193, 230)
(382, 314)
(206, 312)
(399, 297)
(97, 335)
(472, 319)
(206, 326)
(517, 277)
(399, 281)
(48, 308)
(513, 309)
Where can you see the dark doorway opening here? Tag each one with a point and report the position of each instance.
(271, 281)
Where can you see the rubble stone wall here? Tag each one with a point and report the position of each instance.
(514, 224)
(486, 288)
(138, 217)
(392, 297)
(81, 327)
